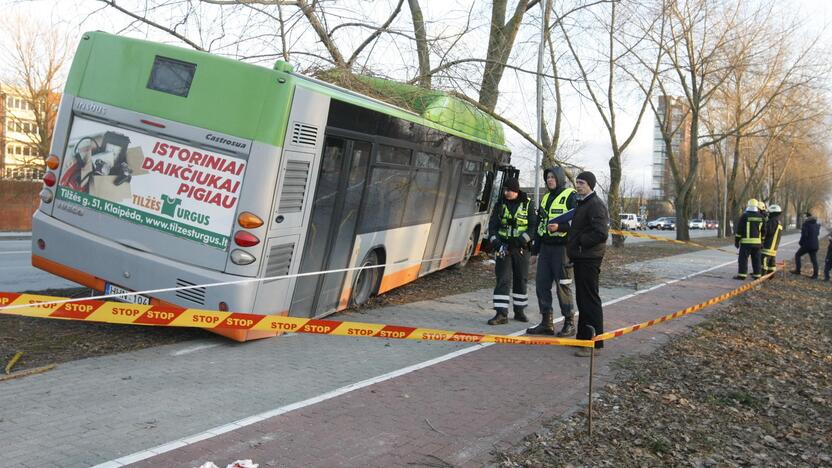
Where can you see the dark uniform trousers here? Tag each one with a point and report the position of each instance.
(591, 313)
(769, 264)
(553, 268)
(753, 251)
(512, 275)
(813, 257)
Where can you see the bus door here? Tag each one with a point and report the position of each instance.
(443, 214)
(332, 225)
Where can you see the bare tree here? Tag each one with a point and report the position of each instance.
(35, 57)
(602, 85)
(422, 45)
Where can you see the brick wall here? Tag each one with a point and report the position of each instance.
(18, 200)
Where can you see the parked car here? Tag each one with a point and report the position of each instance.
(662, 223)
(696, 224)
(629, 221)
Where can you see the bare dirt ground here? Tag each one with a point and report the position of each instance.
(752, 386)
(54, 341)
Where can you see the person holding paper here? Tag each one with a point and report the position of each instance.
(550, 248)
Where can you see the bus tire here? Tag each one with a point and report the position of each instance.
(469, 251)
(366, 280)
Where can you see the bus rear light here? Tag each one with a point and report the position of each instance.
(41, 244)
(152, 123)
(245, 239)
(52, 162)
(241, 257)
(49, 179)
(249, 220)
(46, 195)
(222, 306)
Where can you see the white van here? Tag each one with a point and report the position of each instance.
(629, 221)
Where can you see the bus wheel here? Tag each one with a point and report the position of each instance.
(469, 251)
(366, 280)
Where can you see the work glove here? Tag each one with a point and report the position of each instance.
(736, 243)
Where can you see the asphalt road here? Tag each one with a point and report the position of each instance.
(17, 273)
(671, 234)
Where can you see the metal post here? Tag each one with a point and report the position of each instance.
(591, 373)
(540, 129)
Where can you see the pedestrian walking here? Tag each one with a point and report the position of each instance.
(510, 228)
(809, 244)
(553, 266)
(585, 246)
(749, 241)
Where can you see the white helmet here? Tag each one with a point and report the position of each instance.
(775, 209)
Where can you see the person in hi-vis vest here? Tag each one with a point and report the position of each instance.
(553, 266)
(749, 240)
(772, 239)
(510, 231)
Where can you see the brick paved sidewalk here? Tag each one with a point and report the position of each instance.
(457, 412)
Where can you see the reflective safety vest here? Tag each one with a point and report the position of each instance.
(751, 231)
(551, 210)
(513, 225)
(772, 242)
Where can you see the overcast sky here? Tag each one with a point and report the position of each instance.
(583, 129)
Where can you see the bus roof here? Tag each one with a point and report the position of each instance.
(441, 110)
(127, 63)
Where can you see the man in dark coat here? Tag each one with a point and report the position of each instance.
(809, 244)
(586, 243)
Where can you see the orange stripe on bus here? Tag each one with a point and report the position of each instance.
(399, 278)
(71, 274)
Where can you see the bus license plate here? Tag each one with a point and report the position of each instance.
(134, 299)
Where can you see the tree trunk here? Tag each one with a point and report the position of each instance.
(422, 50)
(614, 198)
(500, 42)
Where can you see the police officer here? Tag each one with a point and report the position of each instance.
(773, 229)
(749, 239)
(552, 263)
(510, 228)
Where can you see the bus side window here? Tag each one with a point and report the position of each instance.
(424, 189)
(486, 181)
(384, 204)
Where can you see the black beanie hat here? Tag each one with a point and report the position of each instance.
(512, 184)
(589, 178)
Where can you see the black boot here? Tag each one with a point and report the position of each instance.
(500, 318)
(545, 327)
(520, 316)
(568, 326)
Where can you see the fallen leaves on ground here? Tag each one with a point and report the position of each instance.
(751, 386)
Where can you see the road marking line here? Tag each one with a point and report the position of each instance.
(247, 421)
(194, 349)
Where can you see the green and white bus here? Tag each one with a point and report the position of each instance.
(173, 168)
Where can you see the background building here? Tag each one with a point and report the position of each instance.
(19, 154)
(676, 117)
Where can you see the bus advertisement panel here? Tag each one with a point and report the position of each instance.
(162, 184)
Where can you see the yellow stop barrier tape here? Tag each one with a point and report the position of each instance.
(681, 313)
(31, 305)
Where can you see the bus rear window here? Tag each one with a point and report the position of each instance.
(171, 76)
